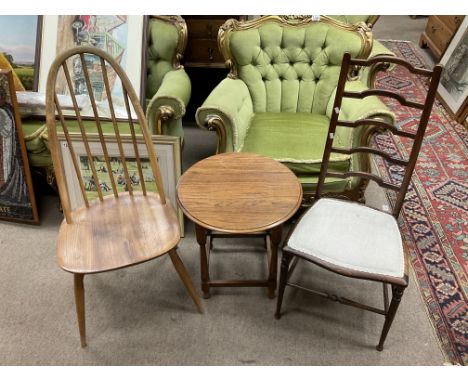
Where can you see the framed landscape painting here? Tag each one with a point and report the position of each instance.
(21, 46)
(453, 87)
(119, 35)
(17, 202)
(168, 155)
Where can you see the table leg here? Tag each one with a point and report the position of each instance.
(201, 234)
(275, 240)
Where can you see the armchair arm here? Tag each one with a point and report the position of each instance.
(170, 99)
(228, 110)
(368, 74)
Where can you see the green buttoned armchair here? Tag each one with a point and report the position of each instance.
(278, 97)
(168, 86)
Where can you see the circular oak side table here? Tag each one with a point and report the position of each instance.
(239, 195)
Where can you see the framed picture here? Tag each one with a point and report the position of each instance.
(167, 150)
(17, 202)
(21, 46)
(453, 88)
(120, 36)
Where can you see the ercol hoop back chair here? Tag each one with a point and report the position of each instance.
(120, 229)
(278, 96)
(348, 238)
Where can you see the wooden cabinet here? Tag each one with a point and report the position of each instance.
(439, 32)
(203, 61)
(202, 43)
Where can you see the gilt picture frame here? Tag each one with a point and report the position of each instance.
(453, 87)
(168, 154)
(17, 200)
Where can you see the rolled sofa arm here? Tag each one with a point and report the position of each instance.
(227, 110)
(369, 74)
(170, 100)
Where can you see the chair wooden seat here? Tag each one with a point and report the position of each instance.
(116, 233)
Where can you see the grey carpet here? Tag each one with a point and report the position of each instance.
(143, 316)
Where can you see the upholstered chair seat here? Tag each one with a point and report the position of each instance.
(372, 239)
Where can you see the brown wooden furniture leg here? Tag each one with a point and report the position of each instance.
(180, 268)
(397, 294)
(275, 240)
(285, 260)
(80, 306)
(201, 234)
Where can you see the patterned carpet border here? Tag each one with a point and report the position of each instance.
(435, 215)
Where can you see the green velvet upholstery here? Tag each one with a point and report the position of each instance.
(279, 102)
(367, 75)
(168, 85)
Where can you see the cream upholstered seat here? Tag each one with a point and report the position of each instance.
(369, 240)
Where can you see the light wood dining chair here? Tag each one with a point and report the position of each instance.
(348, 238)
(119, 229)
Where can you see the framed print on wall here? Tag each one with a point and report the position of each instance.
(168, 155)
(21, 47)
(17, 201)
(453, 87)
(119, 35)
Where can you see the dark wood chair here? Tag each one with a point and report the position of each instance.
(125, 227)
(348, 238)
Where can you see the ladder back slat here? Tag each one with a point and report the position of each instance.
(369, 150)
(375, 125)
(383, 93)
(366, 175)
(392, 60)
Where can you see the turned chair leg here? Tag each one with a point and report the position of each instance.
(397, 293)
(80, 306)
(285, 260)
(180, 268)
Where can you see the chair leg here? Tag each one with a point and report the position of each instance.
(80, 306)
(397, 293)
(285, 261)
(180, 268)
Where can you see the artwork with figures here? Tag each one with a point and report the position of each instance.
(107, 32)
(16, 192)
(168, 156)
(116, 35)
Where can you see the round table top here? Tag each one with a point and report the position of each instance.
(239, 193)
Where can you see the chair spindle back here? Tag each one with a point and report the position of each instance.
(105, 75)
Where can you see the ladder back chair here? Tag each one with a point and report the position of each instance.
(130, 220)
(348, 238)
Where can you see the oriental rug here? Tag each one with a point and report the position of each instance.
(434, 218)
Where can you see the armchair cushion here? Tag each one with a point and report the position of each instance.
(297, 140)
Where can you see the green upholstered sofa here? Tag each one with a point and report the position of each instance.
(168, 91)
(278, 96)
